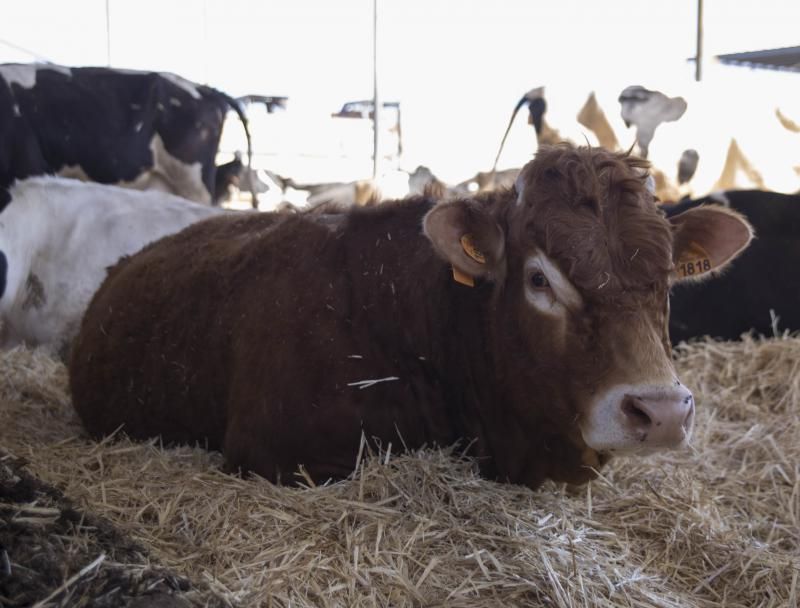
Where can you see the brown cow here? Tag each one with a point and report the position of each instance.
(281, 339)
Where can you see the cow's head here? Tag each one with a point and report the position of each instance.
(581, 261)
(647, 110)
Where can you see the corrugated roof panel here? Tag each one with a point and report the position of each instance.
(784, 59)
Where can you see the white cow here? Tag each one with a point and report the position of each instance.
(57, 238)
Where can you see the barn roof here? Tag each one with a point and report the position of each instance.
(785, 59)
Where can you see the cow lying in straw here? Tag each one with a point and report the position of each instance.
(530, 321)
(57, 238)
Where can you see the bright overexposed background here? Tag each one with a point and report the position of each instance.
(457, 67)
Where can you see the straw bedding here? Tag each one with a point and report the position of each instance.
(716, 525)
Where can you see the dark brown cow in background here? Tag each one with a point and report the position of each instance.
(281, 339)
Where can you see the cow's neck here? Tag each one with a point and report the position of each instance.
(413, 304)
(479, 390)
(410, 309)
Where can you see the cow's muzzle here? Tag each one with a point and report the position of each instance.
(659, 420)
(640, 418)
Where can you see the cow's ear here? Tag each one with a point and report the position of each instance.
(465, 234)
(705, 239)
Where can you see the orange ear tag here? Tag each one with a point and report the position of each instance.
(462, 278)
(474, 253)
(471, 250)
(694, 261)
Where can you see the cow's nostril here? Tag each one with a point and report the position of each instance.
(635, 414)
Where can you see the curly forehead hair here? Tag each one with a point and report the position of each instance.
(590, 210)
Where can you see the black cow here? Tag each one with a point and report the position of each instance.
(764, 282)
(138, 129)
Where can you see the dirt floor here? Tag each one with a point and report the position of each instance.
(52, 554)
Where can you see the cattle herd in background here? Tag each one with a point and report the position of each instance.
(702, 164)
(160, 133)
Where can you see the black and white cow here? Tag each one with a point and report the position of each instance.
(763, 284)
(646, 110)
(58, 236)
(144, 130)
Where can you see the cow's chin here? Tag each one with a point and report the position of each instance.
(579, 464)
(591, 461)
(627, 446)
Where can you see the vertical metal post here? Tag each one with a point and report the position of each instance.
(376, 103)
(698, 59)
(108, 35)
(205, 41)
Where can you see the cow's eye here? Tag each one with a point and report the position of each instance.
(539, 281)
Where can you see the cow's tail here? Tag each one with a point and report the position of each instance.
(236, 107)
(520, 103)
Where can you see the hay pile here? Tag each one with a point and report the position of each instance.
(718, 525)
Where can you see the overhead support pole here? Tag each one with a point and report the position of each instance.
(108, 34)
(206, 44)
(22, 49)
(698, 59)
(375, 97)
